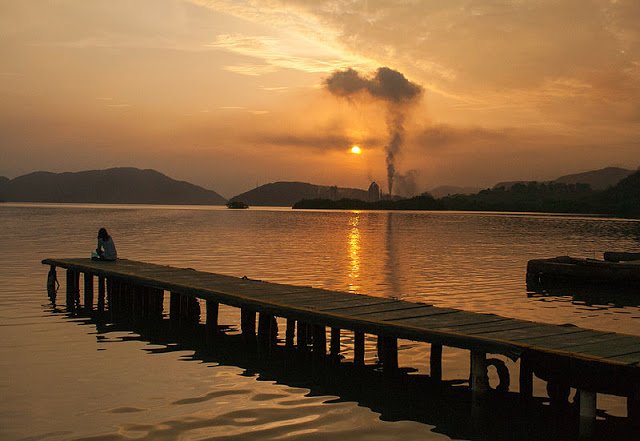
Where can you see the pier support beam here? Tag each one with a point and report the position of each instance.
(588, 403)
(435, 362)
(319, 342)
(358, 348)
(290, 333)
(388, 353)
(334, 346)
(154, 304)
(72, 287)
(101, 293)
(526, 378)
(302, 339)
(265, 335)
(52, 284)
(587, 411)
(174, 307)
(211, 326)
(88, 291)
(248, 325)
(479, 380)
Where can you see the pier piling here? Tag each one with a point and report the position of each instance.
(435, 362)
(88, 291)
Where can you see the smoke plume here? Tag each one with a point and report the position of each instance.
(388, 86)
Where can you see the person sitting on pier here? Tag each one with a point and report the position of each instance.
(106, 249)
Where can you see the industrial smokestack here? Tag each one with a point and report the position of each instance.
(392, 88)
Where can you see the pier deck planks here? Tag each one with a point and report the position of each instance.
(377, 315)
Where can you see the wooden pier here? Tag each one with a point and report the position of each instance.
(565, 356)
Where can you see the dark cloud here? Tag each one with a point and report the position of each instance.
(387, 85)
(392, 88)
(442, 136)
(314, 141)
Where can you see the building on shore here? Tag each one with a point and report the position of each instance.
(373, 192)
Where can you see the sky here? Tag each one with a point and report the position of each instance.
(231, 94)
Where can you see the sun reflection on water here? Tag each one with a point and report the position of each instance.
(354, 251)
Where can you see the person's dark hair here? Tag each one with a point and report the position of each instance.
(102, 233)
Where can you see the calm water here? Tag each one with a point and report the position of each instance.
(64, 379)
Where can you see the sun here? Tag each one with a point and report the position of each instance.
(356, 150)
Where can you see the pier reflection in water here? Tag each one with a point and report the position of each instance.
(448, 408)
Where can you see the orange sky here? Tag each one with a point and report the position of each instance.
(229, 93)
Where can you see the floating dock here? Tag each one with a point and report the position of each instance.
(565, 356)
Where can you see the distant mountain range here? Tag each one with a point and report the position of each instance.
(124, 185)
(285, 194)
(598, 179)
(131, 185)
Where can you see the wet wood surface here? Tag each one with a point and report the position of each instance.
(375, 315)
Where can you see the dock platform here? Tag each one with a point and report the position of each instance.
(565, 356)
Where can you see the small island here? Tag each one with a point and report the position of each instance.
(237, 205)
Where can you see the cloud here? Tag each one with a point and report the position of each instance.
(442, 136)
(275, 54)
(311, 141)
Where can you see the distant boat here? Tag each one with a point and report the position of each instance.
(237, 204)
(617, 269)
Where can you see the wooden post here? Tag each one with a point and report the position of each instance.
(389, 356)
(479, 378)
(435, 362)
(588, 404)
(76, 288)
(290, 333)
(138, 294)
(264, 330)
(587, 411)
(302, 336)
(174, 307)
(70, 290)
(193, 305)
(52, 284)
(334, 347)
(101, 293)
(248, 325)
(184, 310)
(319, 344)
(211, 326)
(109, 287)
(88, 291)
(526, 378)
(358, 348)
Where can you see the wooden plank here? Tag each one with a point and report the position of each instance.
(504, 325)
(632, 358)
(541, 330)
(451, 320)
(351, 299)
(567, 341)
(417, 310)
(371, 310)
(620, 346)
(349, 309)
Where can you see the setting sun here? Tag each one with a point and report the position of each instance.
(356, 150)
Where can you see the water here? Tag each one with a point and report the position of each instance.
(64, 379)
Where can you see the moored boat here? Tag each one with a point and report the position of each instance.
(618, 272)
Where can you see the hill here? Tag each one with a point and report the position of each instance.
(449, 190)
(124, 185)
(285, 194)
(623, 199)
(597, 179)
